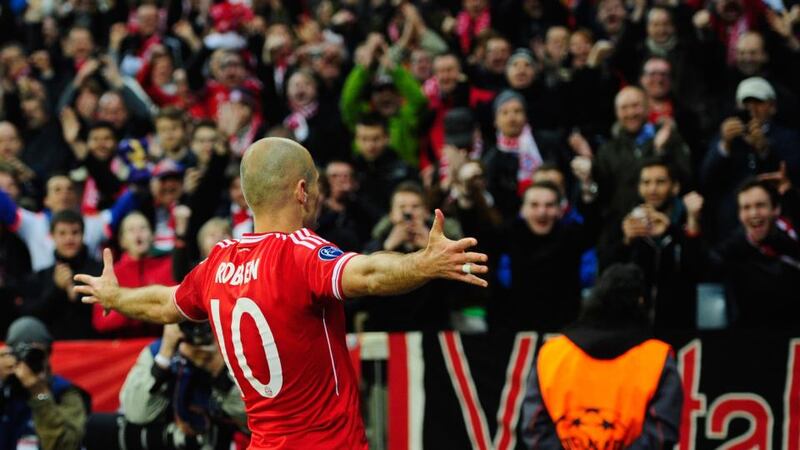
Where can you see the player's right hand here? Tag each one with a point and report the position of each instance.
(103, 289)
(446, 258)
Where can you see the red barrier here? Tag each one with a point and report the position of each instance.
(99, 367)
(742, 389)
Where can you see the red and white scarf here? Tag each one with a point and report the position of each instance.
(297, 121)
(467, 28)
(528, 154)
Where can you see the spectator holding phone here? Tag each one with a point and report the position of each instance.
(653, 239)
(749, 143)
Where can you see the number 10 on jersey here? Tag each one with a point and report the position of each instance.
(247, 306)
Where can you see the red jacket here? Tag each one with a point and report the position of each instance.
(133, 273)
(466, 96)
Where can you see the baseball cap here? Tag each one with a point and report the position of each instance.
(167, 168)
(28, 330)
(458, 128)
(754, 87)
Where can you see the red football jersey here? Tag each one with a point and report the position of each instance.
(275, 305)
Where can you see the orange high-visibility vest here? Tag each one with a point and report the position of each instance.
(598, 403)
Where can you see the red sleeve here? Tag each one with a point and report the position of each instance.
(322, 266)
(188, 298)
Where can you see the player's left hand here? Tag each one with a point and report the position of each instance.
(103, 289)
(450, 259)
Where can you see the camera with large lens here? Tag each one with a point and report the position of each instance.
(33, 356)
(197, 333)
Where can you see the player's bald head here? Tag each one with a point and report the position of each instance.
(270, 170)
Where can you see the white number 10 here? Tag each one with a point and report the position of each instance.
(247, 306)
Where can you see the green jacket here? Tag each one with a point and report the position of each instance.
(403, 126)
(59, 425)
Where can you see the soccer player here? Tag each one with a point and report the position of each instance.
(274, 299)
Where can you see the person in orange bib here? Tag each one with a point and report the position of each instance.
(605, 383)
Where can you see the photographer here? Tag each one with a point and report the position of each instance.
(38, 409)
(180, 395)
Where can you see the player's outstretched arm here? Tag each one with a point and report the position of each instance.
(388, 273)
(151, 303)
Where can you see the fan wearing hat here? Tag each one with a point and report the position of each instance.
(38, 409)
(516, 153)
(749, 143)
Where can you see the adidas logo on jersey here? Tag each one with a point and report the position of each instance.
(228, 273)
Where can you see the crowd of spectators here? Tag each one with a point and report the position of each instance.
(564, 135)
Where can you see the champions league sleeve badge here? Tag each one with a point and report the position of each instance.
(329, 253)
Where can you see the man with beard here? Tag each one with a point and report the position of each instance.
(653, 239)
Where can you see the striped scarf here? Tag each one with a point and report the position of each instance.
(468, 28)
(528, 154)
(297, 121)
